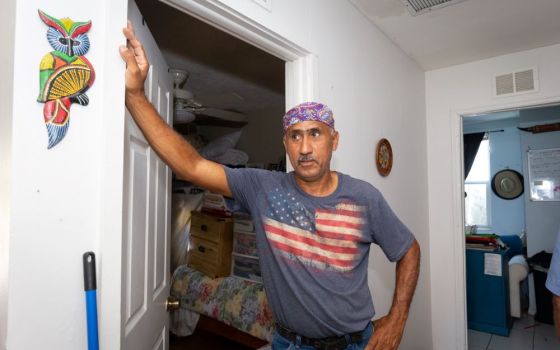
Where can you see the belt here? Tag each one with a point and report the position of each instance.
(328, 343)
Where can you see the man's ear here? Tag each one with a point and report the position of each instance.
(336, 137)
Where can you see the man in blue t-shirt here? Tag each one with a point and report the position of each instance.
(553, 282)
(314, 226)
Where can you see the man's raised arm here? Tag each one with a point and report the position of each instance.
(171, 147)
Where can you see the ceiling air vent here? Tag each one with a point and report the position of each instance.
(524, 81)
(504, 84)
(418, 7)
(516, 82)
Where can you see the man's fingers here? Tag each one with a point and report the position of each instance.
(125, 53)
(135, 46)
(131, 37)
(128, 57)
(129, 30)
(132, 40)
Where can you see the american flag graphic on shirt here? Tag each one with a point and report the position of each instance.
(327, 239)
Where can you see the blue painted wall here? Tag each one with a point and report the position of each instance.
(507, 216)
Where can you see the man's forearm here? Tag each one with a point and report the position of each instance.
(390, 328)
(168, 144)
(408, 269)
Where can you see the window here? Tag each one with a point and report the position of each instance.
(477, 188)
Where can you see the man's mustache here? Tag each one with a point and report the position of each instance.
(306, 158)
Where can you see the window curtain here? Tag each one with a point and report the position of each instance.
(471, 143)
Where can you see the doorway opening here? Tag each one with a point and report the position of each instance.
(505, 225)
(229, 97)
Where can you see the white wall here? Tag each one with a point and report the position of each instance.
(465, 89)
(7, 23)
(57, 195)
(375, 91)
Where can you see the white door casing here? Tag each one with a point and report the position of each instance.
(146, 228)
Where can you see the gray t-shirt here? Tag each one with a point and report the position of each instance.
(553, 277)
(314, 250)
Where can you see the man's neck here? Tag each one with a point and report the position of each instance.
(320, 188)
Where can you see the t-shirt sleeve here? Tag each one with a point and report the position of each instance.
(244, 184)
(388, 231)
(553, 277)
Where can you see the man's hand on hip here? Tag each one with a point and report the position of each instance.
(387, 333)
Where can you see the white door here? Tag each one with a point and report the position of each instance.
(146, 242)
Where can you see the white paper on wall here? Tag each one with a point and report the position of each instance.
(544, 174)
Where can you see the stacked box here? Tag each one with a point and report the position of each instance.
(245, 258)
(245, 243)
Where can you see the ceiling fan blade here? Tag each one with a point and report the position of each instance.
(220, 100)
(182, 94)
(182, 116)
(202, 119)
(223, 114)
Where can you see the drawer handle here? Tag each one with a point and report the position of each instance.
(201, 249)
(204, 228)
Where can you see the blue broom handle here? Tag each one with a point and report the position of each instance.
(90, 287)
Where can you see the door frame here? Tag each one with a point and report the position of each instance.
(301, 65)
(7, 37)
(458, 210)
(301, 85)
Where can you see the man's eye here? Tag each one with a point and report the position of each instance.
(315, 133)
(295, 137)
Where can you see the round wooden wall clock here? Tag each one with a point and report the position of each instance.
(384, 157)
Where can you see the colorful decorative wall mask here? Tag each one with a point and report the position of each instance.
(65, 73)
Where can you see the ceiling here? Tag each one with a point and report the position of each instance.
(467, 31)
(225, 72)
(228, 73)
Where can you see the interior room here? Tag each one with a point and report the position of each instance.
(506, 204)
(228, 99)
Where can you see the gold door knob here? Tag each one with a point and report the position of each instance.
(172, 304)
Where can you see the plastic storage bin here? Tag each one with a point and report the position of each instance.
(245, 243)
(246, 267)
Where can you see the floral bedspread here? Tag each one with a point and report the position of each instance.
(239, 303)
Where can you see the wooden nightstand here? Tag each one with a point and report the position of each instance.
(210, 245)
